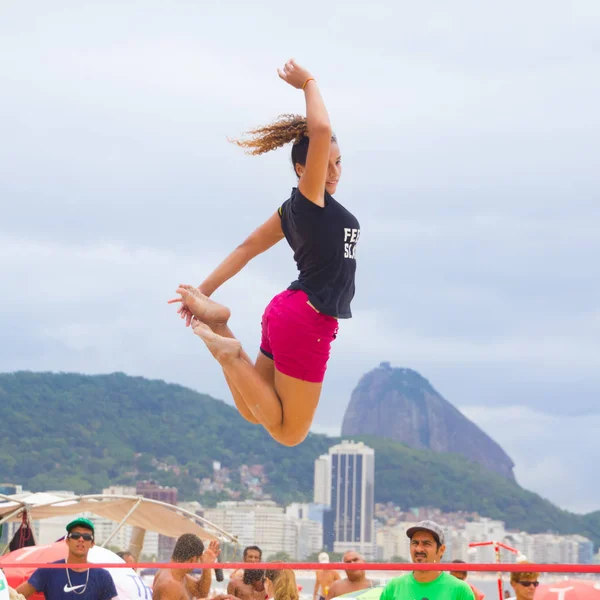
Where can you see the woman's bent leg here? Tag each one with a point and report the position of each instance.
(223, 330)
(265, 368)
(282, 396)
(216, 316)
(285, 410)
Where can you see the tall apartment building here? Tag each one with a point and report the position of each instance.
(349, 471)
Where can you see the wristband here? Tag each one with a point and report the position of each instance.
(309, 79)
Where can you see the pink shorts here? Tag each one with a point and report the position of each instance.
(297, 337)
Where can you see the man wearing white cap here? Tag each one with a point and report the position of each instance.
(427, 546)
(324, 578)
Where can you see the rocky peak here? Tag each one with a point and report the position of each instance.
(400, 404)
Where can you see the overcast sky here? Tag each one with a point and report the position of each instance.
(469, 134)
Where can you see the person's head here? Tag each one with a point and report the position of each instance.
(188, 549)
(126, 556)
(426, 542)
(323, 558)
(80, 538)
(506, 594)
(294, 129)
(280, 584)
(252, 554)
(462, 575)
(254, 577)
(352, 557)
(524, 583)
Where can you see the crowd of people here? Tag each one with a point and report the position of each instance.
(427, 545)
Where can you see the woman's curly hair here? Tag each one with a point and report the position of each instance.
(286, 129)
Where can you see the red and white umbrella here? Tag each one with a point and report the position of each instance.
(128, 583)
(569, 589)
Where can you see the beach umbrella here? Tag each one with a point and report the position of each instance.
(128, 583)
(569, 589)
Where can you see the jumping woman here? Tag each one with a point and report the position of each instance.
(281, 390)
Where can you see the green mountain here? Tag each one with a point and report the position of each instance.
(83, 433)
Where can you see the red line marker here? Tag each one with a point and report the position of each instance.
(482, 567)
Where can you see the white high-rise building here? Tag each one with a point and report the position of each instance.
(484, 530)
(349, 468)
(262, 523)
(309, 524)
(322, 487)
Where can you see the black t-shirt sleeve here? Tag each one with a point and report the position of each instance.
(300, 216)
(300, 204)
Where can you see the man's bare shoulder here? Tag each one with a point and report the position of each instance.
(336, 589)
(166, 588)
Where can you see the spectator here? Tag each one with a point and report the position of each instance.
(180, 584)
(252, 554)
(462, 575)
(427, 546)
(524, 583)
(281, 584)
(324, 578)
(70, 584)
(248, 584)
(355, 579)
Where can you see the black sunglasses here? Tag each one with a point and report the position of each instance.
(88, 537)
(528, 583)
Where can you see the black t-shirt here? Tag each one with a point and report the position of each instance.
(324, 243)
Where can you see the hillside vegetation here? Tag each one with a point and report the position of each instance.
(84, 433)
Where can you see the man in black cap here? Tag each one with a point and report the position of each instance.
(427, 546)
(73, 584)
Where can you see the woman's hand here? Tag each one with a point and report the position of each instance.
(294, 74)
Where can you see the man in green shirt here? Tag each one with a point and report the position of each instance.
(426, 546)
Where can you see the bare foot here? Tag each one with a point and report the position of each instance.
(221, 348)
(202, 307)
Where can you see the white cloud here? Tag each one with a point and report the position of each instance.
(554, 455)
(469, 135)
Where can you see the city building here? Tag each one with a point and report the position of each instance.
(322, 483)
(309, 525)
(154, 491)
(349, 470)
(259, 522)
